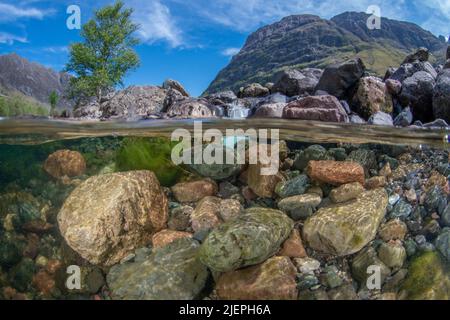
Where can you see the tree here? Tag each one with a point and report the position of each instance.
(105, 56)
(53, 99)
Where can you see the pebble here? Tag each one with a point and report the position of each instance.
(307, 265)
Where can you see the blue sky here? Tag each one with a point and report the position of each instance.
(187, 40)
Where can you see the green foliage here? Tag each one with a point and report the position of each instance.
(19, 105)
(53, 100)
(105, 56)
(152, 154)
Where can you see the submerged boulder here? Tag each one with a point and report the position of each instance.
(173, 272)
(428, 279)
(272, 280)
(108, 216)
(249, 239)
(343, 229)
(65, 163)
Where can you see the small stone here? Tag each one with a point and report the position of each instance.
(346, 192)
(365, 259)
(307, 265)
(180, 218)
(401, 210)
(44, 283)
(331, 277)
(392, 254)
(293, 246)
(314, 152)
(166, 237)
(375, 182)
(293, 187)
(411, 196)
(336, 173)
(194, 191)
(272, 280)
(300, 207)
(345, 292)
(212, 211)
(393, 230)
(307, 281)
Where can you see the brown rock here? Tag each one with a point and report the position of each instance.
(393, 86)
(372, 97)
(317, 108)
(65, 163)
(248, 194)
(44, 283)
(180, 218)
(194, 191)
(271, 280)
(393, 230)
(167, 236)
(386, 171)
(262, 183)
(109, 216)
(53, 266)
(293, 246)
(271, 110)
(212, 211)
(436, 179)
(346, 192)
(375, 182)
(37, 226)
(336, 173)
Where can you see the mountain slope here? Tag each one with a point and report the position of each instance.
(301, 41)
(18, 75)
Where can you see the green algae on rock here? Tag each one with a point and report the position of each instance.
(173, 272)
(152, 154)
(343, 229)
(428, 279)
(249, 239)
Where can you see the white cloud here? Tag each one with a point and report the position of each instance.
(56, 49)
(229, 52)
(8, 38)
(156, 22)
(10, 12)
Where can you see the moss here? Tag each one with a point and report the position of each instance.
(428, 278)
(152, 154)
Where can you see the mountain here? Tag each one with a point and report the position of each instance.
(33, 80)
(301, 41)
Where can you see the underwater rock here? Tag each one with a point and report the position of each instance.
(314, 152)
(293, 187)
(65, 163)
(109, 216)
(172, 272)
(362, 261)
(293, 246)
(194, 191)
(427, 279)
(152, 154)
(300, 207)
(249, 239)
(393, 254)
(212, 211)
(343, 229)
(443, 243)
(336, 172)
(346, 192)
(271, 280)
(393, 230)
(165, 237)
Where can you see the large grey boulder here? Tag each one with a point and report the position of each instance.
(337, 79)
(249, 239)
(417, 93)
(441, 96)
(172, 272)
(294, 82)
(190, 108)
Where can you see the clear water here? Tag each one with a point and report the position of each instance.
(27, 255)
